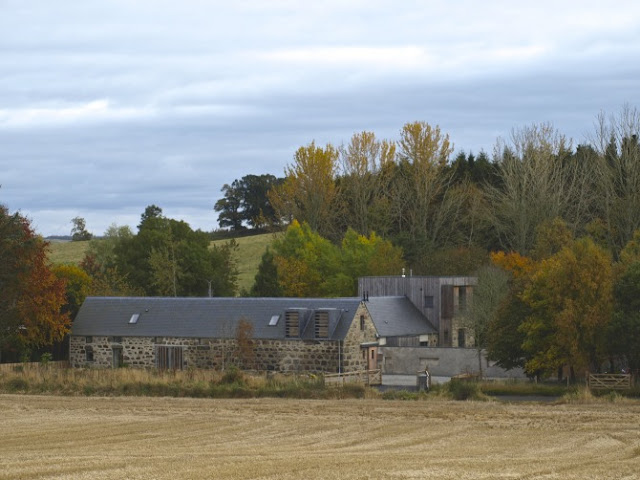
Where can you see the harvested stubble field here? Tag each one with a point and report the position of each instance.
(179, 438)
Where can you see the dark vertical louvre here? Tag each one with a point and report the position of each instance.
(292, 324)
(169, 357)
(322, 324)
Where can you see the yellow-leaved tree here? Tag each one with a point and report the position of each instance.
(570, 297)
(309, 191)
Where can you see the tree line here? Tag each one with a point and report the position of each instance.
(445, 212)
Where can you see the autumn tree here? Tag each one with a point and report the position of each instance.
(505, 336)
(427, 207)
(570, 296)
(31, 296)
(367, 256)
(305, 261)
(309, 191)
(551, 237)
(308, 265)
(77, 287)
(364, 182)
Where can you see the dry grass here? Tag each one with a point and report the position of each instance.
(232, 383)
(48, 437)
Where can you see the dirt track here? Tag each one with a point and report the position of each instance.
(159, 438)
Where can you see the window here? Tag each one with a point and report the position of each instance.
(169, 357)
(274, 320)
(88, 352)
(322, 324)
(88, 339)
(428, 301)
(373, 354)
(361, 322)
(461, 339)
(292, 324)
(134, 318)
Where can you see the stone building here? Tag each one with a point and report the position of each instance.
(276, 334)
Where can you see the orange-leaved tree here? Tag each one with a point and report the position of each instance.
(31, 296)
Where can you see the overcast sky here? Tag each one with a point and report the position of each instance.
(107, 106)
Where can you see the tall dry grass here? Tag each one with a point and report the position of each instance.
(231, 383)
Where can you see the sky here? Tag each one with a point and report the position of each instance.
(107, 106)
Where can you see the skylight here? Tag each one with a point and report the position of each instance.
(134, 318)
(274, 320)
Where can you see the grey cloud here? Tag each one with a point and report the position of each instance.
(193, 97)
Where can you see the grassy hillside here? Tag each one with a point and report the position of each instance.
(67, 252)
(249, 255)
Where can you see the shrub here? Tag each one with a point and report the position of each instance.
(45, 359)
(401, 395)
(17, 384)
(232, 375)
(464, 390)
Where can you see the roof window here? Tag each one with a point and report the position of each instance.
(274, 320)
(134, 318)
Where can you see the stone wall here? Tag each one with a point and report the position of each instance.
(354, 357)
(274, 355)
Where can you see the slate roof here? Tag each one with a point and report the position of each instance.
(397, 316)
(207, 317)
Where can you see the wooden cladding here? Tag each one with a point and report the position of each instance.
(455, 299)
(446, 293)
(292, 324)
(322, 324)
(169, 357)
